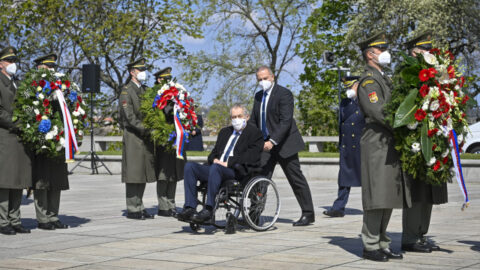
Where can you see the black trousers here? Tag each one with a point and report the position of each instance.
(291, 168)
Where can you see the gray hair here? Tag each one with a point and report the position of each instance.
(265, 68)
(240, 106)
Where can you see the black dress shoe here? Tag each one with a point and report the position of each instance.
(186, 214)
(135, 215)
(145, 214)
(375, 255)
(7, 230)
(334, 213)
(165, 213)
(431, 245)
(305, 220)
(416, 247)
(392, 255)
(205, 216)
(46, 226)
(20, 229)
(59, 225)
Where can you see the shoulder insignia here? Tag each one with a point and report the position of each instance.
(373, 97)
(124, 93)
(367, 82)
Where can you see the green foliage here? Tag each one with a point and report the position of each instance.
(406, 110)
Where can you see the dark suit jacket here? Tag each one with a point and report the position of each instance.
(247, 151)
(281, 126)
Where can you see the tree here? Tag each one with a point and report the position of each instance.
(249, 34)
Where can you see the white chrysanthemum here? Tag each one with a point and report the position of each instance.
(430, 117)
(39, 89)
(28, 125)
(44, 75)
(434, 92)
(183, 115)
(444, 154)
(432, 161)
(62, 141)
(35, 102)
(43, 147)
(412, 126)
(44, 117)
(164, 87)
(81, 111)
(457, 87)
(64, 87)
(425, 105)
(159, 92)
(76, 113)
(49, 135)
(460, 138)
(181, 96)
(449, 124)
(434, 105)
(54, 131)
(80, 132)
(58, 74)
(36, 111)
(415, 147)
(430, 59)
(75, 121)
(41, 96)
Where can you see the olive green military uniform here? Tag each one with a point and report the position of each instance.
(138, 161)
(169, 168)
(50, 175)
(383, 187)
(15, 163)
(416, 220)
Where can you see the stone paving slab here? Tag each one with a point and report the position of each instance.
(101, 237)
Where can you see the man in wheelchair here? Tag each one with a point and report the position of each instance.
(238, 146)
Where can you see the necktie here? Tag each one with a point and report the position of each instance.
(264, 120)
(230, 147)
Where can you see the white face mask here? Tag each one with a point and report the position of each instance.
(11, 69)
(265, 84)
(351, 93)
(239, 123)
(51, 69)
(142, 76)
(384, 58)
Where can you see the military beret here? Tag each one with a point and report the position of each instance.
(349, 81)
(138, 64)
(49, 60)
(8, 54)
(422, 41)
(377, 40)
(163, 72)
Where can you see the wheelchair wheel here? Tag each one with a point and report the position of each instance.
(225, 203)
(260, 203)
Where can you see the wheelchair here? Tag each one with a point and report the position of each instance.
(257, 201)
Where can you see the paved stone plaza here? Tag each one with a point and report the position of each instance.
(102, 238)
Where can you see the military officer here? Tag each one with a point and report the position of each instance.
(138, 161)
(383, 187)
(169, 168)
(15, 163)
(351, 126)
(50, 175)
(416, 219)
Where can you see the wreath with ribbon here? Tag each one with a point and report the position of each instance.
(50, 112)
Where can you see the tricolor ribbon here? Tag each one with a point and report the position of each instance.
(458, 167)
(71, 146)
(180, 138)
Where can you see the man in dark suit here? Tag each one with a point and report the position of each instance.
(239, 144)
(273, 114)
(352, 122)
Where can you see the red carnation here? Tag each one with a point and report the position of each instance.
(58, 82)
(455, 94)
(79, 98)
(450, 55)
(451, 72)
(462, 81)
(436, 166)
(436, 114)
(42, 83)
(53, 86)
(432, 132)
(34, 83)
(424, 75)
(38, 117)
(57, 138)
(46, 102)
(420, 114)
(465, 99)
(47, 111)
(444, 122)
(431, 72)
(445, 160)
(424, 90)
(67, 83)
(435, 51)
(434, 147)
(84, 116)
(77, 106)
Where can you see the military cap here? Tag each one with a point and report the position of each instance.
(138, 64)
(8, 54)
(166, 72)
(377, 40)
(422, 41)
(49, 60)
(349, 81)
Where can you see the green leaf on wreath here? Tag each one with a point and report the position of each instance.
(426, 143)
(406, 111)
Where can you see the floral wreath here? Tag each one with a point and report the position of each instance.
(170, 115)
(427, 109)
(49, 110)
